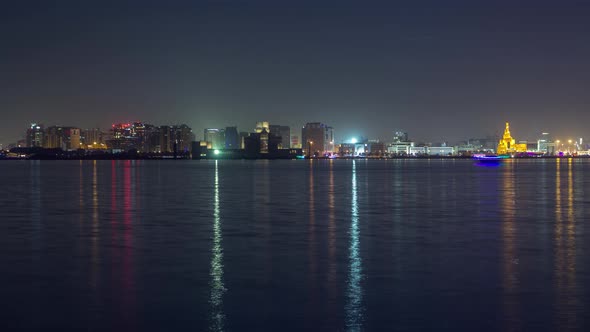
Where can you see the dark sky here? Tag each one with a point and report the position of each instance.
(441, 70)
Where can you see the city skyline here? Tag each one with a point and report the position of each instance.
(338, 139)
(442, 72)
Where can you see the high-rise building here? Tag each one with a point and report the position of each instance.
(35, 136)
(216, 137)
(91, 136)
(53, 137)
(127, 136)
(151, 139)
(184, 137)
(284, 132)
(232, 138)
(317, 139)
(72, 138)
(66, 138)
(177, 138)
(166, 139)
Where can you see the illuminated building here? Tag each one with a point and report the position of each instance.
(184, 137)
(35, 136)
(284, 132)
(216, 137)
(508, 145)
(176, 139)
(91, 136)
(346, 149)
(65, 138)
(441, 151)
(127, 136)
(418, 150)
(375, 148)
(400, 148)
(262, 125)
(317, 139)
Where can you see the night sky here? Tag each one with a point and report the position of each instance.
(441, 70)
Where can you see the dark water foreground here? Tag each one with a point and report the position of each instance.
(295, 245)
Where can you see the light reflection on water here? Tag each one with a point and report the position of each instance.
(354, 308)
(511, 260)
(354, 245)
(217, 285)
(565, 249)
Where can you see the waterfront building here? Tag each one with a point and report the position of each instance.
(317, 139)
(376, 148)
(199, 149)
(400, 148)
(346, 149)
(508, 145)
(543, 144)
(441, 151)
(284, 132)
(418, 150)
(216, 137)
(261, 145)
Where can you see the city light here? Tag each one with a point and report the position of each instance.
(216, 152)
(353, 140)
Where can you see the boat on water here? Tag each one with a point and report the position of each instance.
(490, 157)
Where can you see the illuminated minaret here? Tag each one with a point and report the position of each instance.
(508, 144)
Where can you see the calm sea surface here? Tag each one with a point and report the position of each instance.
(295, 245)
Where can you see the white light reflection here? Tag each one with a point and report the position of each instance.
(354, 313)
(216, 273)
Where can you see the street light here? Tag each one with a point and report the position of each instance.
(309, 143)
